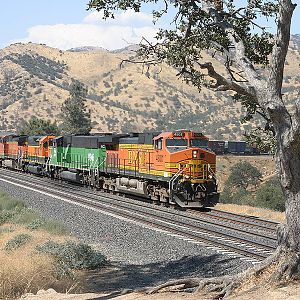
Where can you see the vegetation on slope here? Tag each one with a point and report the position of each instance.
(243, 187)
(115, 98)
(36, 253)
(37, 126)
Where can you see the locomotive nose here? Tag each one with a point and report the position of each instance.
(197, 171)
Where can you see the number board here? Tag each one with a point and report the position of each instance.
(198, 134)
(178, 134)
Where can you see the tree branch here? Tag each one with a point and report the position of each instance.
(274, 104)
(286, 8)
(239, 54)
(222, 84)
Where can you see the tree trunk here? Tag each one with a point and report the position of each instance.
(288, 166)
(288, 162)
(290, 237)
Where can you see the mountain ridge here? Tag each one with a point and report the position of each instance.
(35, 78)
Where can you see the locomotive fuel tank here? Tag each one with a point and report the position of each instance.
(8, 163)
(35, 169)
(131, 185)
(71, 176)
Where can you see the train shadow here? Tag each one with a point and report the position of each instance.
(119, 279)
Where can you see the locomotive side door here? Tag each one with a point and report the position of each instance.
(159, 161)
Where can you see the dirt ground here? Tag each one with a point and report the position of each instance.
(290, 292)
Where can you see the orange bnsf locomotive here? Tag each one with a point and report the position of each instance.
(174, 168)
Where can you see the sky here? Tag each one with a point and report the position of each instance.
(66, 24)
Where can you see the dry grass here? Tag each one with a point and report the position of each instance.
(253, 211)
(21, 270)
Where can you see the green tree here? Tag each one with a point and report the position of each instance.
(37, 126)
(75, 117)
(270, 195)
(242, 175)
(234, 32)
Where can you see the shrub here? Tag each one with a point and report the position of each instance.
(54, 227)
(240, 196)
(51, 226)
(6, 229)
(7, 203)
(270, 195)
(35, 224)
(8, 207)
(5, 216)
(24, 216)
(72, 256)
(15, 211)
(226, 196)
(18, 241)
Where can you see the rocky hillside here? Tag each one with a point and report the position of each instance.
(34, 80)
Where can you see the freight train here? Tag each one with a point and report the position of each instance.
(171, 168)
(234, 147)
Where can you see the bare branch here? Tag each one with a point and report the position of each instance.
(231, 72)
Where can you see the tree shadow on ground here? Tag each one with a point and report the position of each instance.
(119, 278)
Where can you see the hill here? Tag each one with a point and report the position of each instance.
(34, 80)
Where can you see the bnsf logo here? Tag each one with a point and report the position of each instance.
(91, 156)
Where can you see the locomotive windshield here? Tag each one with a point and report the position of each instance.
(174, 145)
(199, 143)
(177, 143)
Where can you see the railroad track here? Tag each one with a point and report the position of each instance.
(252, 220)
(264, 227)
(235, 238)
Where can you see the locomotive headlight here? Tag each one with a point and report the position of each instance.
(210, 176)
(195, 152)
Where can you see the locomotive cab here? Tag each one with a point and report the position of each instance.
(189, 165)
(39, 148)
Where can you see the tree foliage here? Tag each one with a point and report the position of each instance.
(238, 196)
(264, 140)
(37, 126)
(267, 195)
(270, 195)
(243, 175)
(218, 28)
(75, 117)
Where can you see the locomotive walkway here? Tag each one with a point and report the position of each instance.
(248, 238)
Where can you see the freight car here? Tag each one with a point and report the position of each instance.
(233, 147)
(174, 168)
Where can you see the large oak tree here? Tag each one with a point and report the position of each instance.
(254, 62)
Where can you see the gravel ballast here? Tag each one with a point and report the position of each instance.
(131, 246)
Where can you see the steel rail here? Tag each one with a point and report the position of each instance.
(124, 202)
(168, 228)
(270, 224)
(243, 220)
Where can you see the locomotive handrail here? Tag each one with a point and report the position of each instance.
(48, 163)
(96, 165)
(66, 152)
(171, 182)
(212, 173)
